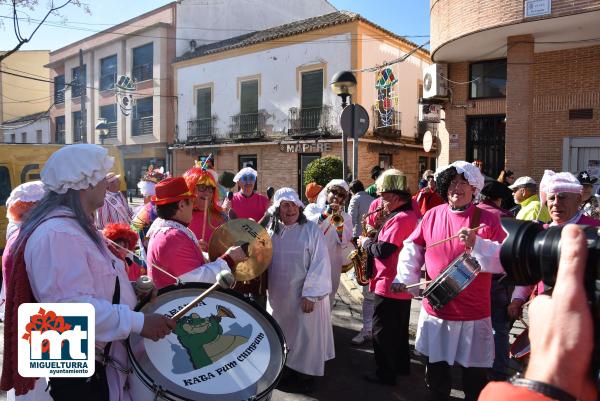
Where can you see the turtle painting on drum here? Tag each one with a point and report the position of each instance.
(203, 338)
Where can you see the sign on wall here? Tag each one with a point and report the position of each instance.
(305, 147)
(386, 105)
(535, 8)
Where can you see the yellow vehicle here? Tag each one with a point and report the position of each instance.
(20, 163)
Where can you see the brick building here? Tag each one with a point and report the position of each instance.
(523, 91)
(263, 99)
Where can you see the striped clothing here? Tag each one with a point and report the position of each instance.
(114, 210)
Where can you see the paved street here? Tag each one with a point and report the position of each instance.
(343, 375)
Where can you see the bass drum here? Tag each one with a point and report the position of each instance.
(224, 349)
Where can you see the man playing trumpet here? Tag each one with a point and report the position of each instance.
(336, 225)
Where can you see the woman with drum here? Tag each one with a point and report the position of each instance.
(299, 285)
(60, 257)
(207, 215)
(392, 310)
(459, 332)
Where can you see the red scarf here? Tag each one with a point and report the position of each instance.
(18, 291)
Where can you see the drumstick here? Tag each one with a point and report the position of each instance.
(225, 279)
(136, 256)
(418, 284)
(454, 236)
(205, 217)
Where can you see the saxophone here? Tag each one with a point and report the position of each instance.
(358, 256)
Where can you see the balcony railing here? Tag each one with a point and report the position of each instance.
(200, 130)
(59, 96)
(309, 121)
(142, 72)
(77, 89)
(142, 126)
(248, 126)
(386, 123)
(112, 129)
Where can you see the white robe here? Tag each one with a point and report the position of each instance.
(338, 249)
(64, 265)
(300, 269)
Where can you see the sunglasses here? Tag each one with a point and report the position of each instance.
(204, 188)
(247, 178)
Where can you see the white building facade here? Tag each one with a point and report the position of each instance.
(34, 128)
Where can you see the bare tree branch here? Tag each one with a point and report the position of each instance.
(29, 4)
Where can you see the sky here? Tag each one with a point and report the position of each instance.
(403, 17)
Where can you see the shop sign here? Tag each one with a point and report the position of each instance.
(305, 147)
(454, 143)
(536, 8)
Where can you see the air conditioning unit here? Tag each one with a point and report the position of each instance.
(435, 84)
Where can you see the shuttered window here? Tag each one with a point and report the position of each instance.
(249, 97)
(312, 89)
(203, 103)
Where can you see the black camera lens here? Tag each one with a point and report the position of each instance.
(530, 253)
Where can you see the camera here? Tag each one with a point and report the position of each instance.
(530, 254)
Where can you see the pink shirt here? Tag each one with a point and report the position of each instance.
(174, 252)
(439, 223)
(253, 207)
(394, 231)
(214, 220)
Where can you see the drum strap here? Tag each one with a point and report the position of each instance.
(475, 218)
(115, 300)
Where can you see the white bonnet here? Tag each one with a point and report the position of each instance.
(553, 183)
(76, 167)
(27, 192)
(243, 172)
(470, 171)
(322, 198)
(285, 194)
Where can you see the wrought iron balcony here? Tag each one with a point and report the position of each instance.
(141, 126)
(386, 123)
(200, 130)
(112, 129)
(313, 121)
(248, 126)
(107, 81)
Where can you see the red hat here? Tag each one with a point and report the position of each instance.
(171, 190)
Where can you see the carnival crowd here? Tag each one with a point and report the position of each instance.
(72, 237)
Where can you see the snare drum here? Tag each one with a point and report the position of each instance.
(224, 349)
(461, 272)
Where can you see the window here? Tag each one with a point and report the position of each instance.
(385, 161)
(142, 62)
(485, 142)
(110, 114)
(488, 79)
(13, 138)
(38, 136)
(108, 72)
(60, 130)
(248, 106)
(59, 89)
(78, 84)
(77, 127)
(23, 137)
(142, 117)
(312, 99)
(4, 185)
(203, 124)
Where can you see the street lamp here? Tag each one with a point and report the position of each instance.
(102, 130)
(343, 84)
